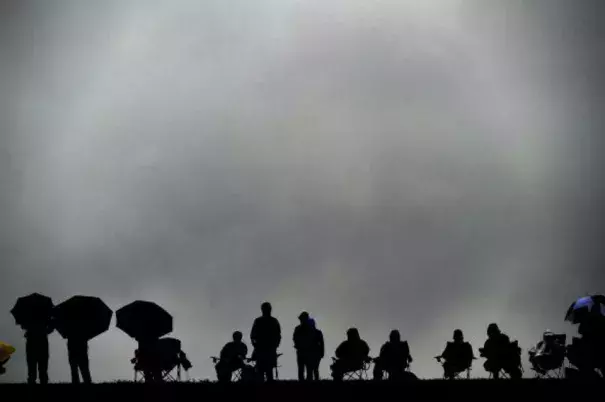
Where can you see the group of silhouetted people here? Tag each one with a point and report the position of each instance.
(353, 355)
(502, 355)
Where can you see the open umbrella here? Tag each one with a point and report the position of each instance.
(32, 310)
(144, 320)
(83, 317)
(585, 307)
(6, 351)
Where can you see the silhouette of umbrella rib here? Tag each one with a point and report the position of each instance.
(144, 320)
(83, 317)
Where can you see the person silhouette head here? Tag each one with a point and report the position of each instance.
(266, 309)
(458, 336)
(304, 318)
(395, 336)
(353, 334)
(237, 337)
(493, 330)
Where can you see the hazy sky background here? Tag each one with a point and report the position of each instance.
(421, 165)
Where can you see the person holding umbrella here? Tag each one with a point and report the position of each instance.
(33, 314)
(80, 319)
(145, 322)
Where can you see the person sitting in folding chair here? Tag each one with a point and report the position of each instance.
(232, 358)
(394, 358)
(352, 356)
(548, 356)
(501, 354)
(159, 359)
(457, 357)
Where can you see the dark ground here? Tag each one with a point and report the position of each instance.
(423, 390)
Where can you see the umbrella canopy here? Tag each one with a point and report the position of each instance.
(144, 320)
(585, 307)
(6, 351)
(33, 310)
(83, 317)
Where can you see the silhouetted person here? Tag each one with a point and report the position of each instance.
(146, 359)
(265, 337)
(232, 358)
(458, 356)
(317, 351)
(501, 353)
(36, 350)
(351, 355)
(549, 353)
(305, 338)
(77, 351)
(394, 358)
(587, 352)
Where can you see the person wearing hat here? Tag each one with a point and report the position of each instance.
(304, 337)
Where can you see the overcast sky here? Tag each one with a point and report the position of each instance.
(420, 165)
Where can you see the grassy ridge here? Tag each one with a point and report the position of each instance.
(422, 390)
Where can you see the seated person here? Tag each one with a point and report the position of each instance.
(394, 358)
(351, 355)
(232, 358)
(584, 356)
(458, 356)
(548, 354)
(501, 354)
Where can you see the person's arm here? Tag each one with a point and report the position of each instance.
(366, 350)
(321, 344)
(296, 337)
(339, 351)
(407, 349)
(254, 333)
(278, 340)
(244, 350)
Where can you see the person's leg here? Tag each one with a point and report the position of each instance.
(337, 370)
(32, 361)
(301, 366)
(309, 370)
(85, 369)
(378, 370)
(73, 366)
(43, 362)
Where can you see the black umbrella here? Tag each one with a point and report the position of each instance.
(83, 317)
(33, 310)
(144, 320)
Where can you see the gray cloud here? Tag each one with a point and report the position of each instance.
(402, 164)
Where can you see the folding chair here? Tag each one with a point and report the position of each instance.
(556, 367)
(463, 374)
(359, 373)
(275, 368)
(168, 361)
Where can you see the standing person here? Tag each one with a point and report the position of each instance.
(77, 352)
(266, 338)
(317, 351)
(303, 338)
(36, 351)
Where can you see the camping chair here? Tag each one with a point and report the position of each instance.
(463, 374)
(556, 367)
(168, 362)
(359, 373)
(275, 367)
(385, 373)
(237, 375)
